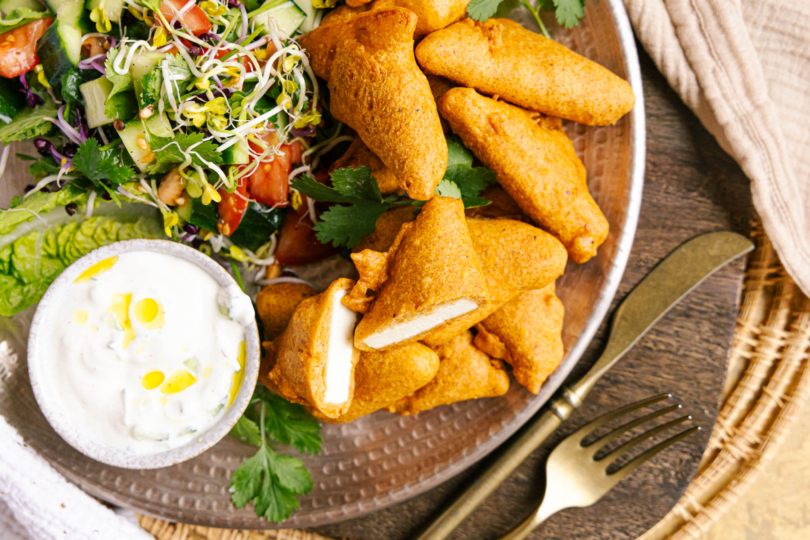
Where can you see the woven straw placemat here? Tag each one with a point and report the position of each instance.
(767, 385)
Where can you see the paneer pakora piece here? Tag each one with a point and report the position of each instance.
(516, 257)
(377, 89)
(535, 162)
(500, 57)
(431, 278)
(432, 14)
(383, 378)
(276, 304)
(527, 333)
(464, 373)
(313, 360)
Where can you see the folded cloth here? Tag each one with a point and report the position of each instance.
(38, 503)
(743, 67)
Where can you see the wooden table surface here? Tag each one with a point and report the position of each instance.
(692, 187)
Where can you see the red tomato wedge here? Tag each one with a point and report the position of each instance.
(18, 48)
(193, 19)
(231, 208)
(269, 183)
(297, 243)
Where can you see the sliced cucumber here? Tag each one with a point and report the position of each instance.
(195, 212)
(236, 154)
(257, 226)
(309, 23)
(113, 8)
(7, 6)
(134, 132)
(95, 95)
(68, 18)
(53, 55)
(287, 18)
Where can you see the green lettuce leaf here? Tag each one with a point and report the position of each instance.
(29, 123)
(40, 203)
(31, 263)
(19, 17)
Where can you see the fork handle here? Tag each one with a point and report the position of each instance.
(513, 455)
(532, 522)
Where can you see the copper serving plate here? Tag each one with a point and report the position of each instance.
(380, 459)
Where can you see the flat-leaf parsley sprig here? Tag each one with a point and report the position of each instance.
(359, 202)
(270, 480)
(567, 12)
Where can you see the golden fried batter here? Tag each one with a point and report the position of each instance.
(302, 356)
(464, 373)
(503, 206)
(383, 378)
(430, 280)
(358, 155)
(516, 257)
(535, 162)
(386, 229)
(377, 89)
(500, 57)
(527, 333)
(276, 304)
(432, 14)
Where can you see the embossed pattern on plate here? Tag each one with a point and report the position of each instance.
(380, 459)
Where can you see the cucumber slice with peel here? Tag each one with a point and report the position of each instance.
(287, 17)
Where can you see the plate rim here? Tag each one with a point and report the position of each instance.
(637, 168)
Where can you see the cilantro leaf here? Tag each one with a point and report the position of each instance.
(315, 190)
(246, 431)
(347, 225)
(270, 480)
(448, 188)
(121, 83)
(507, 6)
(290, 423)
(356, 183)
(151, 83)
(43, 167)
(471, 181)
(569, 12)
(169, 152)
(97, 164)
(457, 153)
(481, 10)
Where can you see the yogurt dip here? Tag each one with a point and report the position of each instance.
(148, 351)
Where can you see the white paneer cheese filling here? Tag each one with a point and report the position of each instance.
(340, 350)
(419, 324)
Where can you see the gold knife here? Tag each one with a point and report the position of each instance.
(672, 279)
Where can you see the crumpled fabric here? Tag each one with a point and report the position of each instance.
(743, 67)
(37, 503)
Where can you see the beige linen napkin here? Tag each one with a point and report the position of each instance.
(743, 67)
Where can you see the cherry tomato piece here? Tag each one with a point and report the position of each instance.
(193, 19)
(297, 243)
(18, 48)
(231, 208)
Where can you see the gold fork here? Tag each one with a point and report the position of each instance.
(574, 475)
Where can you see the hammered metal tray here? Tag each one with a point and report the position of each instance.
(383, 458)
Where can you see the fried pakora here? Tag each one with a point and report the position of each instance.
(464, 373)
(383, 378)
(535, 162)
(313, 360)
(500, 57)
(527, 333)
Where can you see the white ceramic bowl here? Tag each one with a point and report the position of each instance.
(40, 371)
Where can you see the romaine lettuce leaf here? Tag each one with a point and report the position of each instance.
(19, 17)
(29, 123)
(31, 263)
(40, 203)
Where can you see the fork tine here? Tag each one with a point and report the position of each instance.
(600, 421)
(625, 471)
(624, 428)
(613, 455)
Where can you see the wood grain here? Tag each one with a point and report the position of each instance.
(692, 186)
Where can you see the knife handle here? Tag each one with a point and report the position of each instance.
(514, 453)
